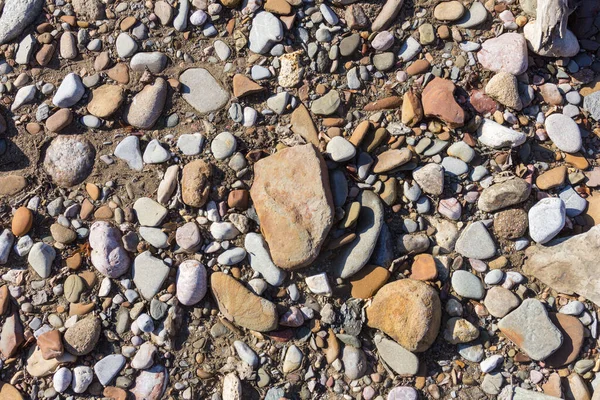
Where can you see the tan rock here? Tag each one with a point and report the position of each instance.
(241, 306)
(195, 183)
(303, 125)
(391, 159)
(552, 178)
(409, 311)
(22, 221)
(503, 88)
(386, 103)
(105, 101)
(412, 112)
(4, 299)
(423, 268)
(293, 201)
(147, 105)
(38, 367)
(9, 392)
(279, 7)
(59, 120)
(81, 338)
(11, 185)
(366, 282)
(438, 101)
(244, 86)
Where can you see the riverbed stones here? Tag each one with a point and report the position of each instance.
(260, 259)
(546, 219)
(568, 267)
(191, 282)
(147, 105)
(70, 91)
(108, 255)
(530, 328)
(41, 256)
(507, 53)
(402, 361)
(430, 178)
(265, 32)
(494, 135)
(503, 88)
(241, 306)
(16, 16)
(500, 301)
(476, 242)
(467, 285)
(573, 336)
(438, 101)
(196, 82)
(81, 338)
(504, 194)
(69, 160)
(294, 230)
(149, 274)
(409, 311)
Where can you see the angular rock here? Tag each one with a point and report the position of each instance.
(81, 338)
(496, 136)
(402, 361)
(151, 384)
(504, 194)
(149, 274)
(195, 183)
(12, 335)
(303, 125)
(409, 311)
(16, 16)
(569, 266)
(438, 101)
(507, 52)
(294, 228)
(573, 334)
(476, 242)
(105, 101)
(241, 306)
(530, 328)
(147, 105)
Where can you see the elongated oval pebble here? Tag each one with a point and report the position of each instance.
(191, 282)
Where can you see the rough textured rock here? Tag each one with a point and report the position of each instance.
(81, 338)
(438, 101)
(69, 160)
(293, 201)
(16, 16)
(108, 255)
(527, 325)
(571, 266)
(195, 183)
(504, 194)
(147, 105)
(409, 311)
(241, 306)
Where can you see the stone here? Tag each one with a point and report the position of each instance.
(569, 266)
(591, 103)
(303, 125)
(241, 306)
(89, 9)
(471, 351)
(82, 378)
(62, 234)
(563, 132)
(129, 151)
(70, 91)
(196, 82)
(355, 362)
(340, 150)
(294, 242)
(188, 237)
(293, 359)
(473, 17)
(349, 44)
(574, 203)
(507, 53)
(265, 32)
(504, 194)
(352, 257)
(573, 336)
(195, 183)
(232, 387)
(467, 285)
(108, 255)
(12, 184)
(144, 357)
(500, 301)
(438, 101)
(126, 45)
(530, 328)
(326, 104)
(563, 45)
(108, 367)
(403, 393)
(147, 105)
(476, 242)
(81, 338)
(74, 286)
(149, 274)
(105, 100)
(223, 145)
(260, 259)
(449, 11)
(22, 221)
(430, 178)
(155, 153)
(151, 384)
(391, 159)
(459, 330)
(38, 367)
(552, 178)
(388, 13)
(62, 379)
(59, 120)
(546, 219)
(424, 268)
(366, 282)
(503, 88)
(41, 256)
(149, 212)
(402, 361)
(25, 95)
(69, 160)
(409, 311)
(18, 15)
(12, 335)
(412, 111)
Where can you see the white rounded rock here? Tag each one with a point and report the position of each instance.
(70, 91)
(546, 219)
(62, 379)
(340, 150)
(564, 133)
(82, 378)
(496, 136)
(191, 282)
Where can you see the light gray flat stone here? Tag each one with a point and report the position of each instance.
(196, 83)
(149, 274)
(476, 242)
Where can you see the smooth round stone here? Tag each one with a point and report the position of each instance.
(266, 31)
(62, 379)
(494, 277)
(258, 72)
(223, 145)
(246, 353)
(155, 153)
(155, 236)
(70, 91)
(403, 393)
(128, 150)
(546, 219)
(82, 378)
(462, 151)
(145, 323)
(500, 301)
(340, 150)
(573, 308)
(564, 133)
(573, 97)
(454, 166)
(154, 61)
(232, 256)
(198, 18)
(448, 11)
(383, 41)
(450, 208)
(126, 45)
(91, 121)
(465, 284)
(190, 144)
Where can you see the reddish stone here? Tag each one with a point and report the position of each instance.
(438, 101)
(423, 268)
(483, 103)
(573, 336)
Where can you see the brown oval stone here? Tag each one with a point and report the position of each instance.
(105, 101)
(409, 311)
(114, 393)
(59, 120)
(93, 191)
(418, 67)
(391, 159)
(9, 392)
(366, 282)
(11, 185)
(4, 299)
(552, 178)
(22, 221)
(573, 335)
(423, 268)
(195, 183)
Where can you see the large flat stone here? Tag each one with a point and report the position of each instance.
(196, 84)
(352, 257)
(16, 16)
(569, 266)
(293, 201)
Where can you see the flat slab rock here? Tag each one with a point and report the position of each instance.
(356, 254)
(530, 328)
(241, 306)
(196, 83)
(293, 201)
(571, 266)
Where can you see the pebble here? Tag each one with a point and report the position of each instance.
(129, 151)
(147, 105)
(340, 150)
(41, 256)
(196, 82)
(82, 378)
(70, 91)
(563, 132)
(149, 274)
(62, 379)
(496, 136)
(154, 61)
(107, 368)
(473, 17)
(265, 32)
(546, 219)
(467, 285)
(126, 45)
(476, 242)
(500, 301)
(507, 53)
(223, 145)
(260, 260)
(402, 361)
